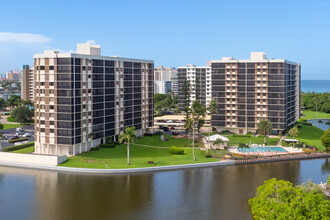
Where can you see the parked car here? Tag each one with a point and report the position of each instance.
(27, 135)
(169, 121)
(14, 138)
(18, 143)
(175, 133)
(166, 129)
(158, 132)
(19, 129)
(25, 142)
(172, 128)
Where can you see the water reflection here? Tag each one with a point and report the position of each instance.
(207, 193)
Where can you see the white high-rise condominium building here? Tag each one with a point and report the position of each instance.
(82, 98)
(200, 81)
(165, 75)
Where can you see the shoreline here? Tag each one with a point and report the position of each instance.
(116, 171)
(279, 158)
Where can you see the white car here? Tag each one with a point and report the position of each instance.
(27, 135)
(25, 142)
(18, 143)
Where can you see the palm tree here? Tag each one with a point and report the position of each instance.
(188, 125)
(128, 137)
(212, 109)
(198, 112)
(264, 128)
(294, 133)
(218, 142)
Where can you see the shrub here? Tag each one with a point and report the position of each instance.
(241, 135)
(94, 148)
(214, 129)
(17, 140)
(176, 151)
(241, 145)
(299, 144)
(148, 134)
(225, 132)
(17, 147)
(205, 154)
(108, 145)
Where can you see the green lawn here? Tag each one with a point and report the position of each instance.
(154, 141)
(315, 115)
(310, 135)
(10, 119)
(8, 126)
(116, 157)
(234, 141)
(27, 150)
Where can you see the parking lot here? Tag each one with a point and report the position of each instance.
(9, 133)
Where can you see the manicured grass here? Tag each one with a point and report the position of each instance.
(310, 135)
(235, 140)
(155, 141)
(8, 126)
(116, 158)
(314, 115)
(27, 150)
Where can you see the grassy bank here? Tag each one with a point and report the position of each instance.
(315, 115)
(116, 158)
(310, 135)
(27, 150)
(235, 140)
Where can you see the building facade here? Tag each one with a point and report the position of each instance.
(82, 98)
(200, 84)
(27, 84)
(249, 90)
(167, 75)
(162, 87)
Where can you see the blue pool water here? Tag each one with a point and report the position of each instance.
(262, 149)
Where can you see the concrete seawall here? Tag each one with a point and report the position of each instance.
(32, 158)
(116, 171)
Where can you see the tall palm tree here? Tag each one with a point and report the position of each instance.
(264, 128)
(294, 133)
(188, 125)
(212, 109)
(198, 113)
(128, 137)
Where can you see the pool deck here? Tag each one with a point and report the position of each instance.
(289, 150)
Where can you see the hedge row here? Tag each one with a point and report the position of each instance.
(177, 151)
(18, 147)
(17, 140)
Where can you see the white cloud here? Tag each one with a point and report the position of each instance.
(26, 38)
(92, 42)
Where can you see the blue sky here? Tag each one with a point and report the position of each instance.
(172, 33)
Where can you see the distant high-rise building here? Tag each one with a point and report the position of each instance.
(163, 87)
(27, 84)
(165, 75)
(82, 98)
(200, 83)
(250, 90)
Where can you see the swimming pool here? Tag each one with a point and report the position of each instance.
(262, 149)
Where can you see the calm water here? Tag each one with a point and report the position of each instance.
(206, 193)
(315, 85)
(320, 123)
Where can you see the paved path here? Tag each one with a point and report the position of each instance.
(115, 171)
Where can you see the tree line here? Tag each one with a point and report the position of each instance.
(21, 110)
(316, 101)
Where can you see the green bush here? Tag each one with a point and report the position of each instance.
(176, 151)
(17, 140)
(241, 145)
(94, 148)
(205, 154)
(225, 132)
(18, 147)
(284, 144)
(241, 135)
(10, 119)
(109, 145)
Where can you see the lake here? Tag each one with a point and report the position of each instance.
(320, 123)
(205, 193)
(315, 85)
